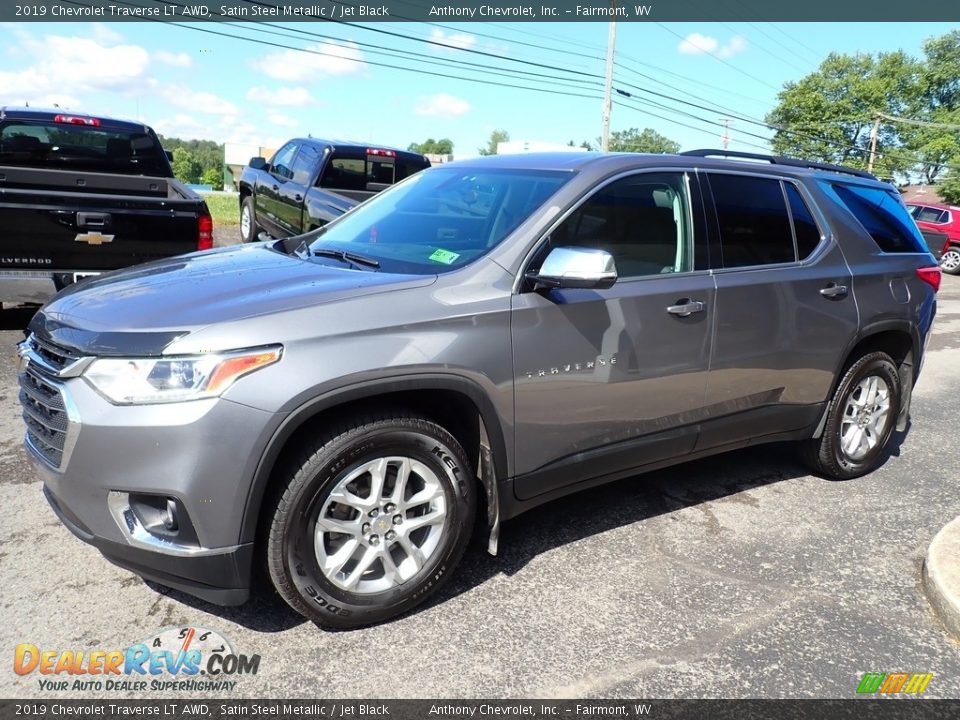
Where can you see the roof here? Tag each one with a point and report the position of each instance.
(37, 113)
(580, 161)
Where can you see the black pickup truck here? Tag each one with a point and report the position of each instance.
(81, 195)
(309, 182)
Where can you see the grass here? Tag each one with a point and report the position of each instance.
(225, 209)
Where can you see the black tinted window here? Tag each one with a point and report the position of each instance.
(282, 163)
(641, 221)
(93, 148)
(754, 225)
(305, 164)
(807, 232)
(882, 214)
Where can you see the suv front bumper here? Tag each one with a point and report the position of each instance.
(200, 454)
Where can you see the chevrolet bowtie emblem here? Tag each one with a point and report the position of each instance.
(93, 238)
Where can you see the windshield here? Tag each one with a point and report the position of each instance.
(440, 219)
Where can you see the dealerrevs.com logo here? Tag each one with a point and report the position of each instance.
(190, 659)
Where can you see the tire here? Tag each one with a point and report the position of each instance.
(249, 230)
(839, 453)
(386, 567)
(950, 260)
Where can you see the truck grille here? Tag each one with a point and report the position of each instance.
(56, 356)
(45, 415)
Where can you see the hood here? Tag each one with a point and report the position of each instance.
(144, 308)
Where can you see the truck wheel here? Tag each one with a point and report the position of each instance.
(248, 221)
(950, 260)
(370, 520)
(860, 420)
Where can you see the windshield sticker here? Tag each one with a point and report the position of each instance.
(444, 256)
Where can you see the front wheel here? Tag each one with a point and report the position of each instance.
(248, 221)
(371, 521)
(860, 420)
(950, 260)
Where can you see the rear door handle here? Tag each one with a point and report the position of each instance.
(834, 291)
(686, 307)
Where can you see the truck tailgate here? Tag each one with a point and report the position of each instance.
(48, 229)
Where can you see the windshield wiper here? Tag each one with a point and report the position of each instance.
(345, 256)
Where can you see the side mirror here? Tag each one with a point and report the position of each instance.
(576, 267)
(169, 154)
(258, 163)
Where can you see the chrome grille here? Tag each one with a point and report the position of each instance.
(45, 414)
(56, 356)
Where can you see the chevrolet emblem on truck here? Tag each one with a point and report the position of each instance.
(93, 238)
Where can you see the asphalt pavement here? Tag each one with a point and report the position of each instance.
(736, 576)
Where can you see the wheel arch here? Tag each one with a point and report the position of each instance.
(458, 404)
(896, 337)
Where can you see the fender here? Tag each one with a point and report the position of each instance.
(493, 460)
(876, 328)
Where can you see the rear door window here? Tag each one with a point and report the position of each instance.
(753, 220)
(930, 215)
(882, 214)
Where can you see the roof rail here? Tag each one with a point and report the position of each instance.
(780, 160)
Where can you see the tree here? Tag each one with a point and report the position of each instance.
(213, 178)
(206, 152)
(584, 145)
(640, 141)
(186, 167)
(828, 115)
(949, 188)
(497, 136)
(443, 146)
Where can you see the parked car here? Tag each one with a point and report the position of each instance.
(309, 182)
(496, 332)
(81, 195)
(944, 219)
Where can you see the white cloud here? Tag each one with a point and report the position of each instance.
(454, 40)
(104, 34)
(288, 96)
(78, 64)
(698, 44)
(736, 45)
(283, 120)
(198, 101)
(181, 59)
(441, 105)
(325, 59)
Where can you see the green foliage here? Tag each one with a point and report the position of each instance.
(949, 189)
(828, 115)
(213, 178)
(207, 154)
(585, 145)
(186, 167)
(640, 141)
(443, 146)
(497, 136)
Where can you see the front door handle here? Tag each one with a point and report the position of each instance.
(686, 307)
(276, 188)
(834, 291)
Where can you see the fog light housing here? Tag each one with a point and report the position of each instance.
(159, 522)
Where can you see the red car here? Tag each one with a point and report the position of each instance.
(944, 219)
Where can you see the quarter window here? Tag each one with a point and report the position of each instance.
(882, 214)
(753, 220)
(641, 221)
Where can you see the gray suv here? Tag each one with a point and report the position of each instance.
(339, 408)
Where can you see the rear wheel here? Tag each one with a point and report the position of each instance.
(371, 521)
(860, 419)
(950, 261)
(248, 221)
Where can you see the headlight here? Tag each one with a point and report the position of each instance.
(141, 381)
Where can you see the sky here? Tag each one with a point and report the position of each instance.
(191, 84)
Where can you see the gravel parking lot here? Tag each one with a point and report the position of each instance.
(736, 576)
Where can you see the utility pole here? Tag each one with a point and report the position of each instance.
(608, 89)
(874, 131)
(725, 138)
